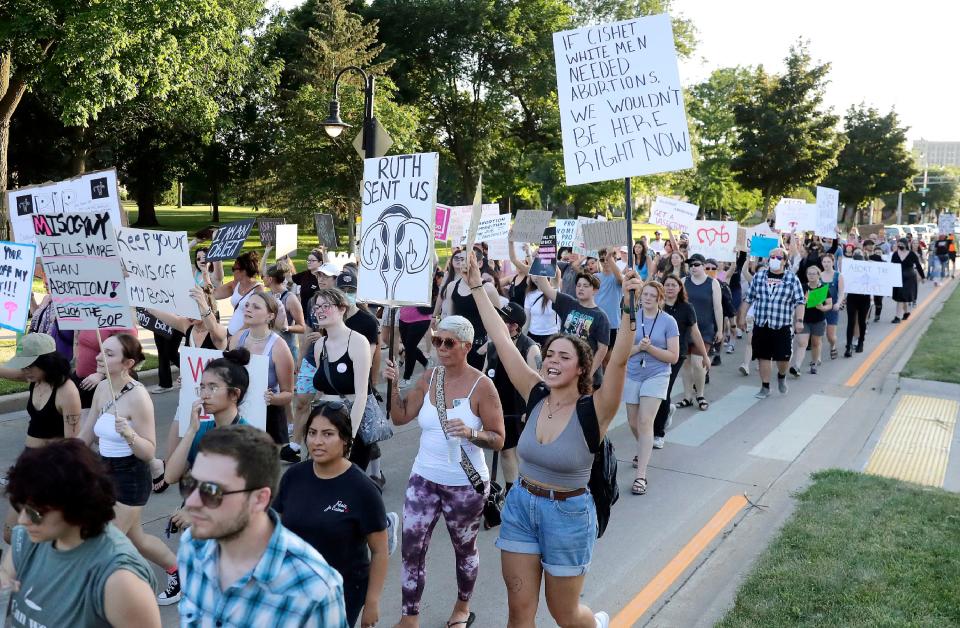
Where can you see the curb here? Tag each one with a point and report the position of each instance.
(17, 402)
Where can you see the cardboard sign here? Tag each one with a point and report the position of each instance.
(84, 272)
(529, 225)
(566, 229)
(399, 202)
(760, 246)
(876, 278)
(153, 324)
(326, 231)
(286, 240)
(828, 204)
(794, 214)
(545, 263)
(194, 360)
(16, 284)
(604, 233)
(228, 241)
(621, 101)
(442, 226)
(475, 214)
(673, 214)
(714, 239)
(268, 230)
(158, 270)
(946, 223)
(94, 192)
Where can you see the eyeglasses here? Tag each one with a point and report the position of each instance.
(322, 307)
(458, 258)
(210, 388)
(446, 343)
(211, 493)
(35, 516)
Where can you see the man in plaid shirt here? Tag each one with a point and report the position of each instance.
(776, 297)
(238, 565)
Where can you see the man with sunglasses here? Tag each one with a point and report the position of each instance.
(778, 304)
(238, 565)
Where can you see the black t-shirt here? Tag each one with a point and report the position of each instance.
(308, 286)
(941, 247)
(366, 324)
(334, 516)
(686, 318)
(590, 323)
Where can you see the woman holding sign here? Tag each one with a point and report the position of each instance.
(246, 270)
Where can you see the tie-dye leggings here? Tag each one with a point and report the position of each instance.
(461, 507)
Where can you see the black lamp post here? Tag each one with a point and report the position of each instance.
(334, 126)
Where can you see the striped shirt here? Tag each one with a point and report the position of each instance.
(292, 585)
(774, 298)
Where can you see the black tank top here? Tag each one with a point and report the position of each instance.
(511, 401)
(206, 344)
(467, 308)
(341, 372)
(518, 292)
(47, 422)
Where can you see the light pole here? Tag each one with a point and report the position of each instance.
(334, 126)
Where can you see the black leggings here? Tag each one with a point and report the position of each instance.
(410, 335)
(660, 423)
(877, 305)
(277, 425)
(168, 354)
(858, 305)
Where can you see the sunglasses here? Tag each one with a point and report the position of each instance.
(695, 264)
(211, 493)
(333, 406)
(710, 268)
(446, 343)
(35, 516)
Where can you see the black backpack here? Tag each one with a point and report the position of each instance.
(603, 475)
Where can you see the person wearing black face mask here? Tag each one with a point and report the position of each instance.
(910, 267)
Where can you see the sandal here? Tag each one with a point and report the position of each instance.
(639, 486)
(159, 485)
(834, 353)
(702, 403)
(686, 403)
(466, 622)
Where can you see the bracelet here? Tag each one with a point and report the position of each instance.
(476, 287)
(474, 434)
(207, 313)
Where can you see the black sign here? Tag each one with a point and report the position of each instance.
(326, 232)
(545, 264)
(228, 240)
(150, 323)
(268, 230)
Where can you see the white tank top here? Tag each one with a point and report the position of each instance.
(236, 320)
(432, 463)
(112, 445)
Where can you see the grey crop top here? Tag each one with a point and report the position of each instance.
(565, 462)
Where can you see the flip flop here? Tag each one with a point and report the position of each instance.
(466, 622)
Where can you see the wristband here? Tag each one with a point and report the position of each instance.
(473, 434)
(476, 287)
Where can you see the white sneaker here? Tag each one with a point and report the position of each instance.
(658, 442)
(673, 409)
(744, 370)
(731, 348)
(739, 333)
(602, 619)
(393, 528)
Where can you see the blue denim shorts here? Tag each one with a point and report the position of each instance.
(833, 317)
(561, 532)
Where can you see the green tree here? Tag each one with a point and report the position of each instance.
(786, 138)
(874, 162)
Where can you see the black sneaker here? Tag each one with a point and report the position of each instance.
(288, 455)
(794, 371)
(716, 360)
(170, 595)
(848, 352)
(876, 319)
(896, 319)
(906, 316)
(859, 347)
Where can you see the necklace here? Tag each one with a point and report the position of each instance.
(258, 338)
(550, 408)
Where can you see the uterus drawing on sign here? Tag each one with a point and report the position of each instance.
(397, 244)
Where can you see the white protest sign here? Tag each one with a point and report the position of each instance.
(828, 204)
(714, 239)
(499, 249)
(794, 214)
(488, 211)
(84, 273)
(673, 214)
(529, 225)
(397, 229)
(876, 278)
(159, 271)
(16, 284)
(91, 192)
(566, 229)
(459, 222)
(621, 102)
(496, 228)
(286, 239)
(604, 233)
(253, 409)
(579, 242)
(947, 223)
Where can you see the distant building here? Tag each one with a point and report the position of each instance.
(939, 153)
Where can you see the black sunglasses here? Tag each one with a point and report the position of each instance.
(694, 264)
(35, 516)
(446, 343)
(211, 493)
(333, 406)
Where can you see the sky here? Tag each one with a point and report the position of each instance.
(884, 54)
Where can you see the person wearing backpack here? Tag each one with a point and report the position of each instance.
(552, 517)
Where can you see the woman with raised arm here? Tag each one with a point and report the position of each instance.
(246, 270)
(554, 545)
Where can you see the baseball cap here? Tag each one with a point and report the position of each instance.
(346, 281)
(329, 270)
(31, 347)
(513, 313)
(696, 257)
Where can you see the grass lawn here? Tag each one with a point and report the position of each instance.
(8, 347)
(935, 355)
(859, 551)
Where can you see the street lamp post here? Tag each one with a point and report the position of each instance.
(334, 126)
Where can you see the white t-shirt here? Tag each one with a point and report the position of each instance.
(543, 320)
(656, 245)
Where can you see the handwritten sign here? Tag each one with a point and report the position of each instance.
(286, 240)
(545, 264)
(84, 271)
(442, 226)
(16, 284)
(621, 102)
(876, 278)
(566, 229)
(760, 246)
(673, 214)
(947, 223)
(828, 204)
(158, 270)
(488, 211)
(496, 228)
(228, 241)
(714, 239)
(194, 360)
(604, 233)
(579, 242)
(153, 324)
(529, 225)
(793, 214)
(500, 249)
(399, 200)
(459, 221)
(268, 230)
(88, 193)
(326, 231)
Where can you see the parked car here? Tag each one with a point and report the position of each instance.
(894, 231)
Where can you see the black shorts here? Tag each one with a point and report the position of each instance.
(131, 478)
(772, 344)
(512, 428)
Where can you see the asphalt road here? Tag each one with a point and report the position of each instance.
(741, 446)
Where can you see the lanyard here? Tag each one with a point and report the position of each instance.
(643, 330)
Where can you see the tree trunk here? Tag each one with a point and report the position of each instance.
(11, 91)
(145, 191)
(79, 150)
(213, 179)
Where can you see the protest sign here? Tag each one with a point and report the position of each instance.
(876, 278)
(604, 233)
(499, 249)
(621, 102)
(529, 225)
(818, 295)
(566, 228)
(488, 211)
(228, 241)
(194, 360)
(673, 214)
(545, 263)
(875, 230)
(495, 228)
(286, 240)
(326, 231)
(459, 222)
(828, 204)
(158, 268)
(579, 242)
(947, 223)
(88, 193)
(268, 230)
(714, 239)
(475, 214)
(794, 214)
(16, 284)
(760, 246)
(442, 225)
(741, 240)
(151, 323)
(397, 234)
(84, 272)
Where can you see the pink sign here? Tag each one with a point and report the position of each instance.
(442, 224)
